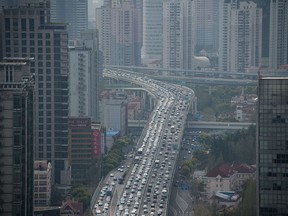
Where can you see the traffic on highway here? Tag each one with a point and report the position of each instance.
(142, 185)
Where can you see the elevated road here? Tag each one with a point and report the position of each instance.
(201, 125)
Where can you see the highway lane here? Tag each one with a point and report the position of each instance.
(159, 144)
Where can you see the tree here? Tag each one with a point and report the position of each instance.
(203, 209)
(249, 199)
(81, 193)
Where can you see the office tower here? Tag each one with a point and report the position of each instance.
(242, 30)
(42, 183)
(120, 33)
(278, 39)
(25, 33)
(16, 137)
(272, 146)
(103, 25)
(90, 39)
(206, 25)
(152, 31)
(72, 12)
(224, 31)
(79, 85)
(178, 34)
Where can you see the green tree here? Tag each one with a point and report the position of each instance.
(249, 199)
(81, 193)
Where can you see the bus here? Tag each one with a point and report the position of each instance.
(140, 151)
(137, 159)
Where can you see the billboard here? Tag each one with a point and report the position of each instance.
(79, 122)
(96, 141)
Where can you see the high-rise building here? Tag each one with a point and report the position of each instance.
(178, 34)
(72, 12)
(272, 146)
(16, 137)
(120, 32)
(240, 37)
(26, 32)
(152, 31)
(278, 39)
(206, 25)
(103, 25)
(79, 81)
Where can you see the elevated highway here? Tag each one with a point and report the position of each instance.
(201, 125)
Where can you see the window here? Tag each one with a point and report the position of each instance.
(23, 24)
(7, 24)
(31, 24)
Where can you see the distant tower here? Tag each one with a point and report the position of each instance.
(272, 146)
(178, 34)
(278, 40)
(120, 32)
(72, 12)
(152, 31)
(207, 16)
(240, 35)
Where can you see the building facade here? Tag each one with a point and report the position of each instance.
(26, 32)
(152, 31)
(120, 32)
(272, 146)
(178, 34)
(113, 110)
(42, 183)
(72, 12)
(206, 25)
(16, 137)
(278, 39)
(242, 31)
(79, 81)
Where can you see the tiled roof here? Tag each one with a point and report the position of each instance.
(225, 171)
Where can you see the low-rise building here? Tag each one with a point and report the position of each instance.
(42, 183)
(226, 177)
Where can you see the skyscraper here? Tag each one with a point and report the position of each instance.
(152, 31)
(178, 34)
(240, 36)
(272, 147)
(120, 32)
(206, 25)
(16, 137)
(72, 12)
(278, 39)
(26, 32)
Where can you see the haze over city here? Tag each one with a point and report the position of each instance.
(143, 107)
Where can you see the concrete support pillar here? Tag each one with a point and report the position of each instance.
(242, 90)
(210, 90)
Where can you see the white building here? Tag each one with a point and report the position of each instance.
(152, 31)
(241, 28)
(79, 77)
(178, 34)
(42, 183)
(113, 113)
(278, 39)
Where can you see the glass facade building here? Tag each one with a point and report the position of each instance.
(272, 147)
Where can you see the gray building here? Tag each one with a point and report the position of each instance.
(272, 147)
(72, 12)
(16, 137)
(26, 32)
(278, 39)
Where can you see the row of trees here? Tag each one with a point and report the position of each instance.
(116, 154)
